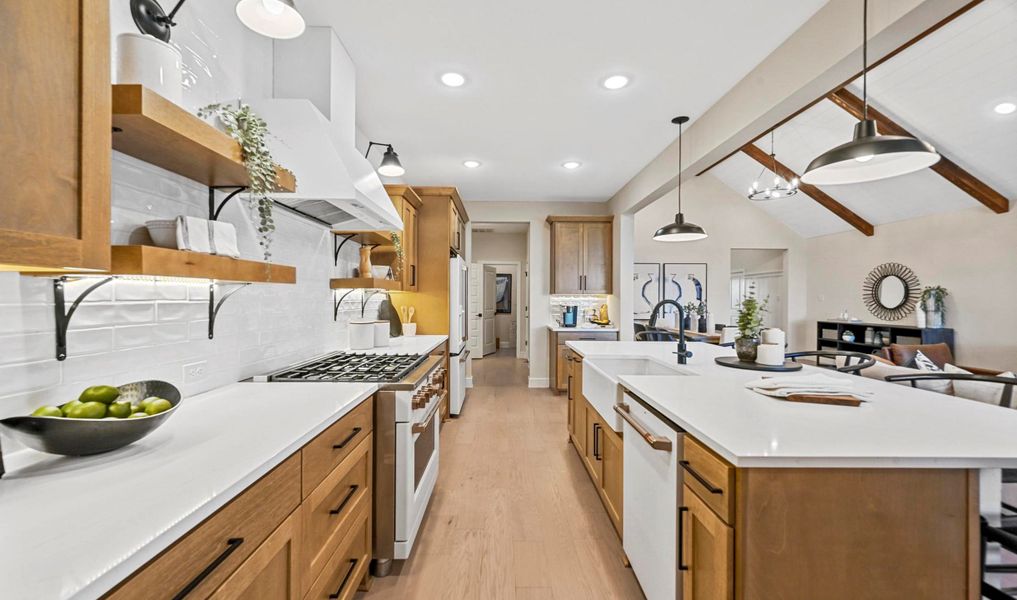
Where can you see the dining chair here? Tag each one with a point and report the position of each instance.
(853, 362)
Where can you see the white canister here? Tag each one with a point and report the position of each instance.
(361, 334)
(409, 329)
(153, 63)
(770, 354)
(381, 331)
(773, 336)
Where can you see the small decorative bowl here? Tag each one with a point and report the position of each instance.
(81, 437)
(163, 233)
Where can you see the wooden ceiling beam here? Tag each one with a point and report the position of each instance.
(949, 170)
(824, 199)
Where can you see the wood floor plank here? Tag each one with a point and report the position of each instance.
(514, 515)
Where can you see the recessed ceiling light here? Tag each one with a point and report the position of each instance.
(471, 164)
(616, 82)
(453, 79)
(1005, 108)
(572, 165)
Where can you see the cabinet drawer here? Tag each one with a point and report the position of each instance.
(326, 451)
(571, 336)
(330, 511)
(347, 566)
(206, 556)
(710, 476)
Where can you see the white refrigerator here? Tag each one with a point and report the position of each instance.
(457, 333)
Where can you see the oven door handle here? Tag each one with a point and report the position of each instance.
(421, 427)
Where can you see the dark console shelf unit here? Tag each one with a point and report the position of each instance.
(829, 335)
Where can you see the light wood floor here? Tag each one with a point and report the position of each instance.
(514, 515)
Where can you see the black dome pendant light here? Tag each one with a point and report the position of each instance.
(869, 156)
(679, 231)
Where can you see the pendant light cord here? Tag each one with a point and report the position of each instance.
(865, 59)
(679, 168)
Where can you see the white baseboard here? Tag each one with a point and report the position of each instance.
(469, 382)
(539, 382)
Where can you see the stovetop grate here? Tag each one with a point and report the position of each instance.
(353, 367)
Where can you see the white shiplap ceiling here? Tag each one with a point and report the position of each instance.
(942, 89)
(533, 98)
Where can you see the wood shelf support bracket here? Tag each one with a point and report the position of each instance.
(213, 306)
(63, 315)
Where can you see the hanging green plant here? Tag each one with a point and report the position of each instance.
(249, 130)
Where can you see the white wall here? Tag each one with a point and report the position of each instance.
(133, 330)
(972, 253)
(755, 260)
(731, 222)
(535, 213)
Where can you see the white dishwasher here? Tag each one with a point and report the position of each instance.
(653, 492)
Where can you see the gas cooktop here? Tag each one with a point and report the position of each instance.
(352, 367)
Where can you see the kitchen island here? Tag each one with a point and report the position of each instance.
(75, 527)
(786, 500)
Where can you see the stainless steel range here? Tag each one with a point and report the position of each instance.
(406, 434)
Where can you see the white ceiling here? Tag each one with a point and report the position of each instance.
(533, 98)
(942, 89)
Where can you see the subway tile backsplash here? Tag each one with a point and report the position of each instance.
(585, 302)
(131, 329)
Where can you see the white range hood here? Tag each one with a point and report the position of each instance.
(311, 120)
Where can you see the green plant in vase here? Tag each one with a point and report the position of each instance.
(933, 303)
(690, 310)
(249, 130)
(750, 323)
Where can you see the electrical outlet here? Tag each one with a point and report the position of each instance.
(195, 371)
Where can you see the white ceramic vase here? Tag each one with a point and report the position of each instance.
(152, 63)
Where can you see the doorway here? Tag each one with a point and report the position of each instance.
(760, 272)
(499, 310)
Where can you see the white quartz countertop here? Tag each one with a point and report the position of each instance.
(556, 327)
(899, 427)
(75, 527)
(417, 344)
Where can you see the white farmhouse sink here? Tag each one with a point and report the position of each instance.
(600, 380)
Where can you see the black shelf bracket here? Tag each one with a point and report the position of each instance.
(213, 306)
(365, 297)
(213, 210)
(337, 246)
(63, 315)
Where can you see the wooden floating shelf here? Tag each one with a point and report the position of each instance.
(368, 283)
(157, 131)
(162, 262)
(367, 238)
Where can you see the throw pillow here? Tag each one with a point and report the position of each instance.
(924, 363)
(981, 391)
(880, 370)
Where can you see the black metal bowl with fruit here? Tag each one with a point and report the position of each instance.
(102, 419)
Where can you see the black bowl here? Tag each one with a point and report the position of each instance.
(81, 437)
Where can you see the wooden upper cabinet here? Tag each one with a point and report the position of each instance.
(457, 217)
(407, 204)
(55, 132)
(581, 255)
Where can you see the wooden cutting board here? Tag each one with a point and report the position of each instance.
(825, 399)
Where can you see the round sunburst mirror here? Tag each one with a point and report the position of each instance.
(891, 291)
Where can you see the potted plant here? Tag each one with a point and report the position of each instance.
(690, 310)
(702, 311)
(933, 304)
(750, 322)
(249, 130)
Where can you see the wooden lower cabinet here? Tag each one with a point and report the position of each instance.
(706, 551)
(599, 447)
(274, 541)
(272, 572)
(831, 533)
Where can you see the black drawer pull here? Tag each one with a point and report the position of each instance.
(349, 438)
(681, 538)
(706, 484)
(346, 500)
(346, 579)
(231, 545)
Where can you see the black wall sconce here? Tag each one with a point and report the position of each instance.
(390, 165)
(152, 20)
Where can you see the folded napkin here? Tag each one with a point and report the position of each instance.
(211, 237)
(782, 387)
